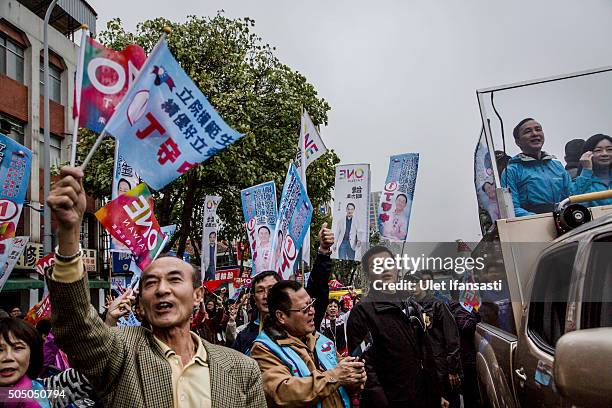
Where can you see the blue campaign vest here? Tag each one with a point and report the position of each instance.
(326, 353)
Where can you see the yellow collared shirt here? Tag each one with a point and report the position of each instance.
(190, 383)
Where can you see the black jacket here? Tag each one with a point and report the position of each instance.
(317, 287)
(444, 337)
(398, 368)
(466, 323)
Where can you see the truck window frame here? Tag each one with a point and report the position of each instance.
(595, 285)
(545, 283)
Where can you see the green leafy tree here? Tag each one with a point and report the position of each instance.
(255, 93)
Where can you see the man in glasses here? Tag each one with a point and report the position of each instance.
(317, 286)
(300, 367)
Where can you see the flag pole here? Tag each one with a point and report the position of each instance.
(77, 93)
(167, 30)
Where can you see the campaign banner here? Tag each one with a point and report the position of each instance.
(13, 249)
(15, 167)
(484, 182)
(107, 75)
(210, 230)
(124, 179)
(260, 214)
(294, 217)
(396, 198)
(130, 219)
(165, 124)
(351, 211)
(310, 148)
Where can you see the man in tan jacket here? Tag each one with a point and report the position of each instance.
(300, 367)
(167, 366)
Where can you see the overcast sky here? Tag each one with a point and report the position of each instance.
(401, 76)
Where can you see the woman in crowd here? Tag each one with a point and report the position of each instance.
(596, 175)
(210, 321)
(21, 362)
(333, 326)
(21, 359)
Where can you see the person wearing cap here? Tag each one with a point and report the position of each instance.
(537, 181)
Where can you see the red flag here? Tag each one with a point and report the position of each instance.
(45, 262)
(39, 311)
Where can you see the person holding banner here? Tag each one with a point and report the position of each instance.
(135, 366)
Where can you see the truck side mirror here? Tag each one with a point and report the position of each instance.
(582, 367)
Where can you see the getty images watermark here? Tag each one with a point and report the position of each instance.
(459, 265)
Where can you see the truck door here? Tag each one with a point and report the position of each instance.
(543, 323)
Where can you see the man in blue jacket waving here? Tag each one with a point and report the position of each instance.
(536, 180)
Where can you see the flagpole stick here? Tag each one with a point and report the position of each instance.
(93, 149)
(77, 93)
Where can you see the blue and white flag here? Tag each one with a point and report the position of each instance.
(165, 124)
(14, 247)
(396, 198)
(260, 212)
(294, 218)
(15, 167)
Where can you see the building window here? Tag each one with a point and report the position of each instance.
(55, 150)
(17, 128)
(11, 59)
(55, 79)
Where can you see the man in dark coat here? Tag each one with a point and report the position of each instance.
(398, 369)
(466, 323)
(444, 340)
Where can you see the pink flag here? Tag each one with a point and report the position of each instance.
(107, 74)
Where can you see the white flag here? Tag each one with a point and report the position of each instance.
(310, 148)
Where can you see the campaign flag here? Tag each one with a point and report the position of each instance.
(351, 211)
(310, 148)
(39, 311)
(396, 198)
(311, 145)
(10, 257)
(130, 219)
(294, 217)
(210, 231)
(165, 125)
(260, 213)
(484, 182)
(45, 262)
(107, 75)
(15, 166)
(168, 231)
(124, 179)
